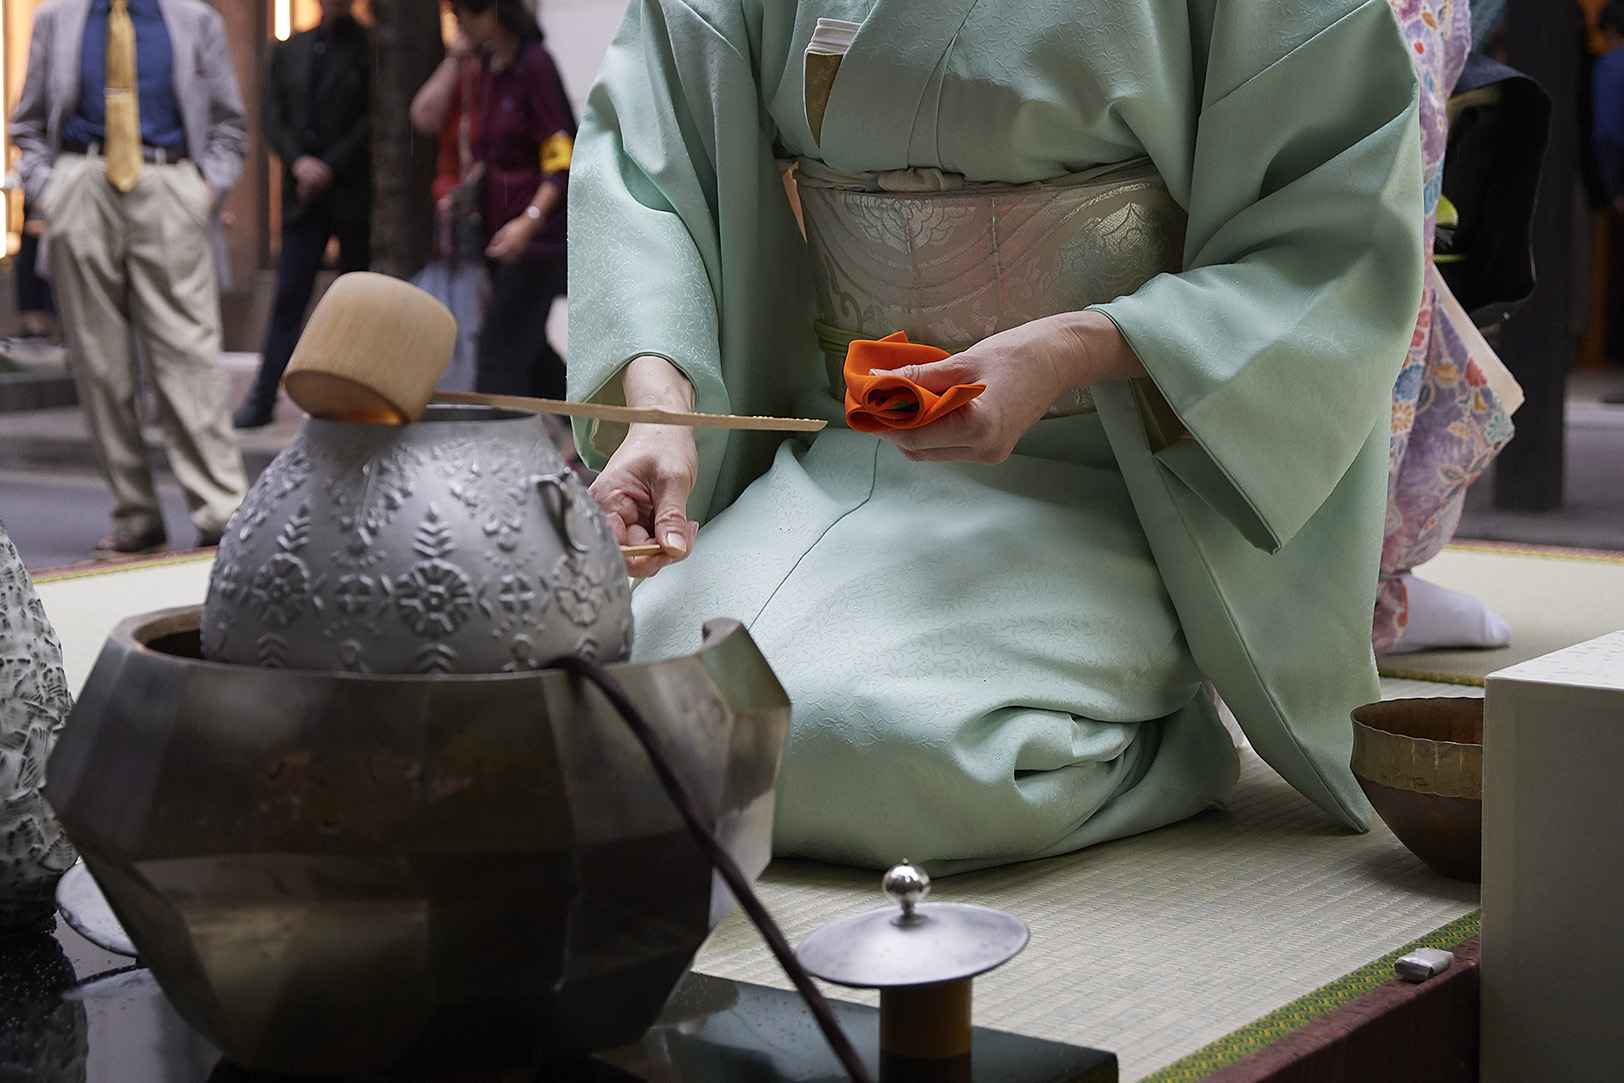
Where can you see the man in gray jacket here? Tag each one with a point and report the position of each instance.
(128, 246)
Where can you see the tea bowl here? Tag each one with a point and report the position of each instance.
(1420, 762)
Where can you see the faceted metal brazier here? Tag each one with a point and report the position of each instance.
(461, 543)
(363, 874)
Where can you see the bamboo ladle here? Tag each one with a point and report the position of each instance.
(375, 346)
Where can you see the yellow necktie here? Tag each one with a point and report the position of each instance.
(122, 144)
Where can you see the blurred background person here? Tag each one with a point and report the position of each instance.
(316, 102)
(1607, 87)
(130, 130)
(526, 135)
(447, 107)
(1607, 128)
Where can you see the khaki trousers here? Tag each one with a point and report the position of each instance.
(133, 270)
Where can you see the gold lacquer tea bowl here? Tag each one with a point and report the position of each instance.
(1420, 761)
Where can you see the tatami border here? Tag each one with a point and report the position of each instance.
(1283, 1021)
(87, 568)
(1550, 552)
(1428, 675)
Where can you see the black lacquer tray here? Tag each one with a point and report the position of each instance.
(73, 1013)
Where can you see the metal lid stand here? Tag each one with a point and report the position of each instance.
(923, 961)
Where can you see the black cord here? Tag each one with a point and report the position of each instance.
(736, 880)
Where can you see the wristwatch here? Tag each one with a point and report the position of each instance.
(533, 212)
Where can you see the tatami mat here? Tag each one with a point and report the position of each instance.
(86, 602)
(1553, 598)
(1154, 946)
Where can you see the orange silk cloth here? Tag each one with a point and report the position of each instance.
(878, 401)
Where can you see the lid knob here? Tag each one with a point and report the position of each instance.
(906, 885)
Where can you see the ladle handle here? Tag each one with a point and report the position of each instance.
(629, 414)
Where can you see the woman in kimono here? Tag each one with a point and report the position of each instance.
(1180, 244)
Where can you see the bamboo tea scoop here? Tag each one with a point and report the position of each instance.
(375, 346)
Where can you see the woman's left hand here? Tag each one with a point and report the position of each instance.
(508, 243)
(1025, 369)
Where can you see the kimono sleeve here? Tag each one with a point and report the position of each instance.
(1278, 345)
(30, 118)
(681, 241)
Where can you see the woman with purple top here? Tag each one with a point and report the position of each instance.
(526, 134)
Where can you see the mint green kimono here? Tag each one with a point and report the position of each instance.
(995, 663)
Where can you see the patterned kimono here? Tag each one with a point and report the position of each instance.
(1448, 423)
(991, 663)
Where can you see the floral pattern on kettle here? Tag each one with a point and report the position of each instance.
(418, 549)
(282, 589)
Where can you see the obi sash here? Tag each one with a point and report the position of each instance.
(951, 261)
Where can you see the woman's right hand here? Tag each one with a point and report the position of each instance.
(644, 487)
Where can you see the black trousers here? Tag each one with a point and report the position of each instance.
(304, 242)
(33, 292)
(515, 357)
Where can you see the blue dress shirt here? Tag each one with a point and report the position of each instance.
(154, 65)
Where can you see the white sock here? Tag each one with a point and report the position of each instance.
(1441, 618)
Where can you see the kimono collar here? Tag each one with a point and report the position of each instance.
(884, 81)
